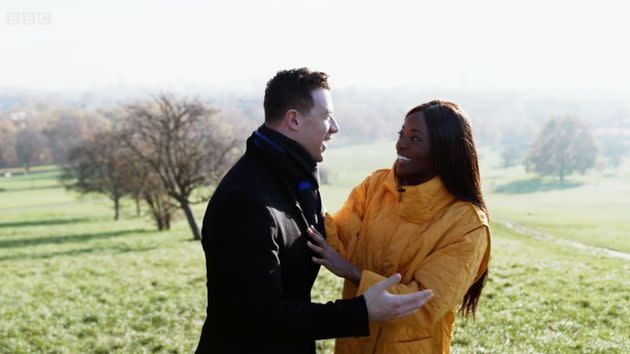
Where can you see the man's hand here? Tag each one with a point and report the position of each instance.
(330, 259)
(383, 306)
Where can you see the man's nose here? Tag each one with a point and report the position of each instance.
(334, 127)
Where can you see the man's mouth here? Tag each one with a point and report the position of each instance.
(324, 144)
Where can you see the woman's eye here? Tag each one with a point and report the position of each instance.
(412, 138)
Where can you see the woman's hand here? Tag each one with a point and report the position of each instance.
(330, 259)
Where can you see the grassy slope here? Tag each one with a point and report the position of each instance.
(540, 298)
(591, 209)
(74, 281)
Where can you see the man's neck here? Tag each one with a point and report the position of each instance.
(279, 128)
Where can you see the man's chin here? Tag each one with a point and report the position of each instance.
(320, 156)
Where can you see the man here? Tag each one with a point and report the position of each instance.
(259, 268)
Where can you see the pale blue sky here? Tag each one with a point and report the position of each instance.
(239, 44)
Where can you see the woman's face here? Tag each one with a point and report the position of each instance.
(414, 164)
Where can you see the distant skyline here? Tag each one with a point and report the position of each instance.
(238, 45)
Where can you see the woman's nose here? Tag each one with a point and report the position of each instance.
(401, 144)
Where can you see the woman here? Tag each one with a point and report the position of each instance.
(426, 219)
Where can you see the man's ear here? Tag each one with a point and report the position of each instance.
(292, 119)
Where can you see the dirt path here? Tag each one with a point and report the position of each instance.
(564, 242)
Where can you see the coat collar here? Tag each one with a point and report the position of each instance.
(287, 157)
(419, 203)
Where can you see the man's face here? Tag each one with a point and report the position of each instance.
(318, 125)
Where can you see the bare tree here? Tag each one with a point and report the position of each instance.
(185, 145)
(29, 147)
(161, 205)
(98, 166)
(144, 184)
(69, 127)
(7, 143)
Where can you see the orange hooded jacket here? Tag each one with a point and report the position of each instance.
(433, 240)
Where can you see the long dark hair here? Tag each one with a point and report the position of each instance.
(455, 160)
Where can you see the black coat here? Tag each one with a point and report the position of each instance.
(259, 269)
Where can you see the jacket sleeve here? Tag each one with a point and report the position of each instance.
(342, 228)
(247, 259)
(448, 272)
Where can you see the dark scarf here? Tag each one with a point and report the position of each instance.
(295, 167)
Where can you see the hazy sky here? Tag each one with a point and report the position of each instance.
(239, 44)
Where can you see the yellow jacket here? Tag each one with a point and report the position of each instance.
(433, 240)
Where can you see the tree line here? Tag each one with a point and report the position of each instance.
(45, 134)
(166, 152)
(566, 145)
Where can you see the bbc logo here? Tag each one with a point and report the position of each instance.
(29, 18)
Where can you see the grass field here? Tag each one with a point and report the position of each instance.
(591, 209)
(74, 281)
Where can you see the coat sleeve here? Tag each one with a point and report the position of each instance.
(343, 227)
(448, 272)
(245, 253)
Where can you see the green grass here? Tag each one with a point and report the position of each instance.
(134, 293)
(74, 281)
(22, 171)
(351, 164)
(547, 299)
(540, 298)
(41, 188)
(591, 209)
